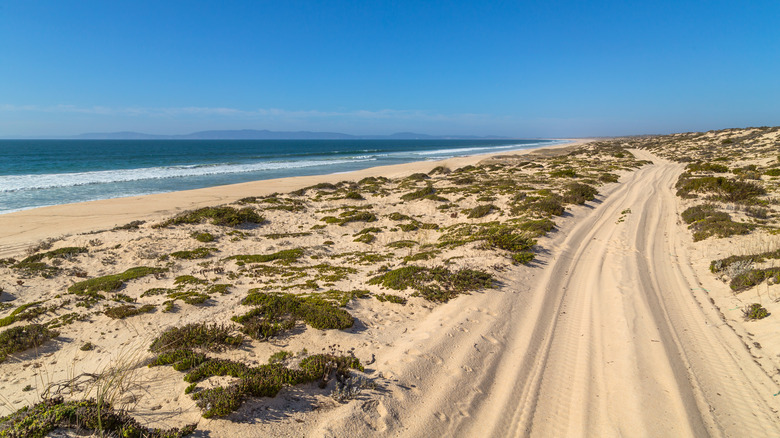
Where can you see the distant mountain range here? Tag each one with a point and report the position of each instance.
(252, 134)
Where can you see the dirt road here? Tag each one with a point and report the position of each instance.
(612, 338)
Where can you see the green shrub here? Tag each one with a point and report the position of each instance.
(504, 237)
(365, 238)
(399, 217)
(390, 298)
(549, 205)
(350, 216)
(754, 277)
(286, 235)
(755, 311)
(221, 288)
(134, 225)
(481, 211)
(425, 255)
(110, 283)
(411, 226)
(723, 264)
(434, 284)
(21, 338)
(698, 213)
(402, 244)
(261, 381)
(417, 177)
(279, 356)
(772, 172)
(212, 337)
(523, 258)
(427, 192)
(197, 253)
(38, 420)
(127, 310)
(57, 253)
(352, 194)
(725, 189)
(757, 212)
(577, 193)
(223, 216)
(286, 255)
(537, 227)
(22, 313)
(202, 237)
(36, 269)
(609, 178)
(707, 167)
(275, 312)
(188, 279)
(564, 173)
(705, 221)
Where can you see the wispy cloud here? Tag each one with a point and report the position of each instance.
(273, 113)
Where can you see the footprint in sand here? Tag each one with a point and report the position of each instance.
(433, 358)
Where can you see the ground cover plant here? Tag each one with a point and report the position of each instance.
(706, 221)
(434, 284)
(224, 216)
(274, 313)
(260, 381)
(39, 420)
(22, 338)
(754, 312)
(111, 283)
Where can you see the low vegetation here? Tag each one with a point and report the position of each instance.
(754, 312)
(211, 337)
(222, 216)
(261, 381)
(25, 337)
(111, 283)
(102, 419)
(276, 312)
(434, 284)
(128, 310)
(706, 221)
(285, 256)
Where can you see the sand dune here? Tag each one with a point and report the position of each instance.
(611, 339)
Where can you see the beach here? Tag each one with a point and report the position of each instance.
(550, 292)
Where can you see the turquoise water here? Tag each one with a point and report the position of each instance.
(36, 173)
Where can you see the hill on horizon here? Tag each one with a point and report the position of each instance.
(253, 134)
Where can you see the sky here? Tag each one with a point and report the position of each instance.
(509, 68)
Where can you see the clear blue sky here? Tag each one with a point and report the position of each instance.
(516, 68)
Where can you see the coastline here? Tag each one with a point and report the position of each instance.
(22, 229)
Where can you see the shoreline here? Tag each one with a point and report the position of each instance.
(20, 230)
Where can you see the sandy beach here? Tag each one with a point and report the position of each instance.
(553, 292)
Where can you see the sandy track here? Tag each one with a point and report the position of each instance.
(615, 338)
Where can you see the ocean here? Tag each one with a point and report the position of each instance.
(37, 173)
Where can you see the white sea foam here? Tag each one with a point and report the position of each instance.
(476, 149)
(15, 183)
